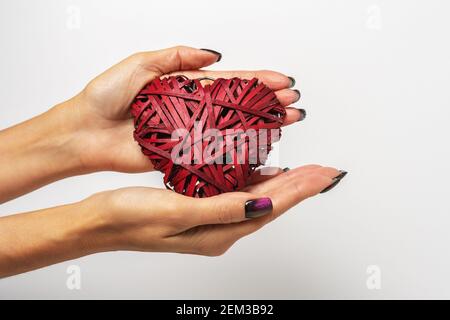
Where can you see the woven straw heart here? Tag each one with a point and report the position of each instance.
(226, 107)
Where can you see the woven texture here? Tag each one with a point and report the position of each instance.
(165, 105)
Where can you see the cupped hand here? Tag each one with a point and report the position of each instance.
(101, 111)
(146, 219)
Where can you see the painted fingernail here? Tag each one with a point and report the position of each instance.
(286, 169)
(258, 207)
(292, 84)
(302, 114)
(218, 54)
(336, 180)
(298, 95)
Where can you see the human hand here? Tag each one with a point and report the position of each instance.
(101, 111)
(147, 219)
(93, 130)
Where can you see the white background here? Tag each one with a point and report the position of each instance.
(374, 77)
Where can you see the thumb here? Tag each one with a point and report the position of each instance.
(229, 208)
(178, 58)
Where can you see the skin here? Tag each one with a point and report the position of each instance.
(69, 139)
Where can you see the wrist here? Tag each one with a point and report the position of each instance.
(54, 140)
(97, 231)
(68, 136)
(40, 238)
(38, 151)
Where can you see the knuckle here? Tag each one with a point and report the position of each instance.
(234, 74)
(138, 57)
(302, 186)
(289, 174)
(223, 213)
(311, 182)
(313, 179)
(328, 171)
(93, 89)
(178, 47)
(174, 55)
(261, 73)
(178, 212)
(255, 74)
(90, 90)
(299, 186)
(312, 166)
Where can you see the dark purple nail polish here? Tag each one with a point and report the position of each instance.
(286, 169)
(302, 114)
(258, 207)
(292, 84)
(298, 94)
(336, 180)
(218, 54)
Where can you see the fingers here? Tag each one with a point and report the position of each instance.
(274, 80)
(133, 73)
(278, 82)
(287, 190)
(300, 188)
(290, 188)
(228, 208)
(269, 184)
(287, 96)
(264, 174)
(294, 185)
(175, 59)
(293, 115)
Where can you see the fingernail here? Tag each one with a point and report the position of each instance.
(302, 114)
(219, 55)
(258, 207)
(286, 169)
(298, 95)
(336, 180)
(292, 82)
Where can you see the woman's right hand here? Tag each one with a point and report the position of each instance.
(148, 219)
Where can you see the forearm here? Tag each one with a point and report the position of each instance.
(36, 239)
(38, 151)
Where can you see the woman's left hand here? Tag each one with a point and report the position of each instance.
(105, 125)
(93, 131)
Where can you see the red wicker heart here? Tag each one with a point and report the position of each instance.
(224, 107)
